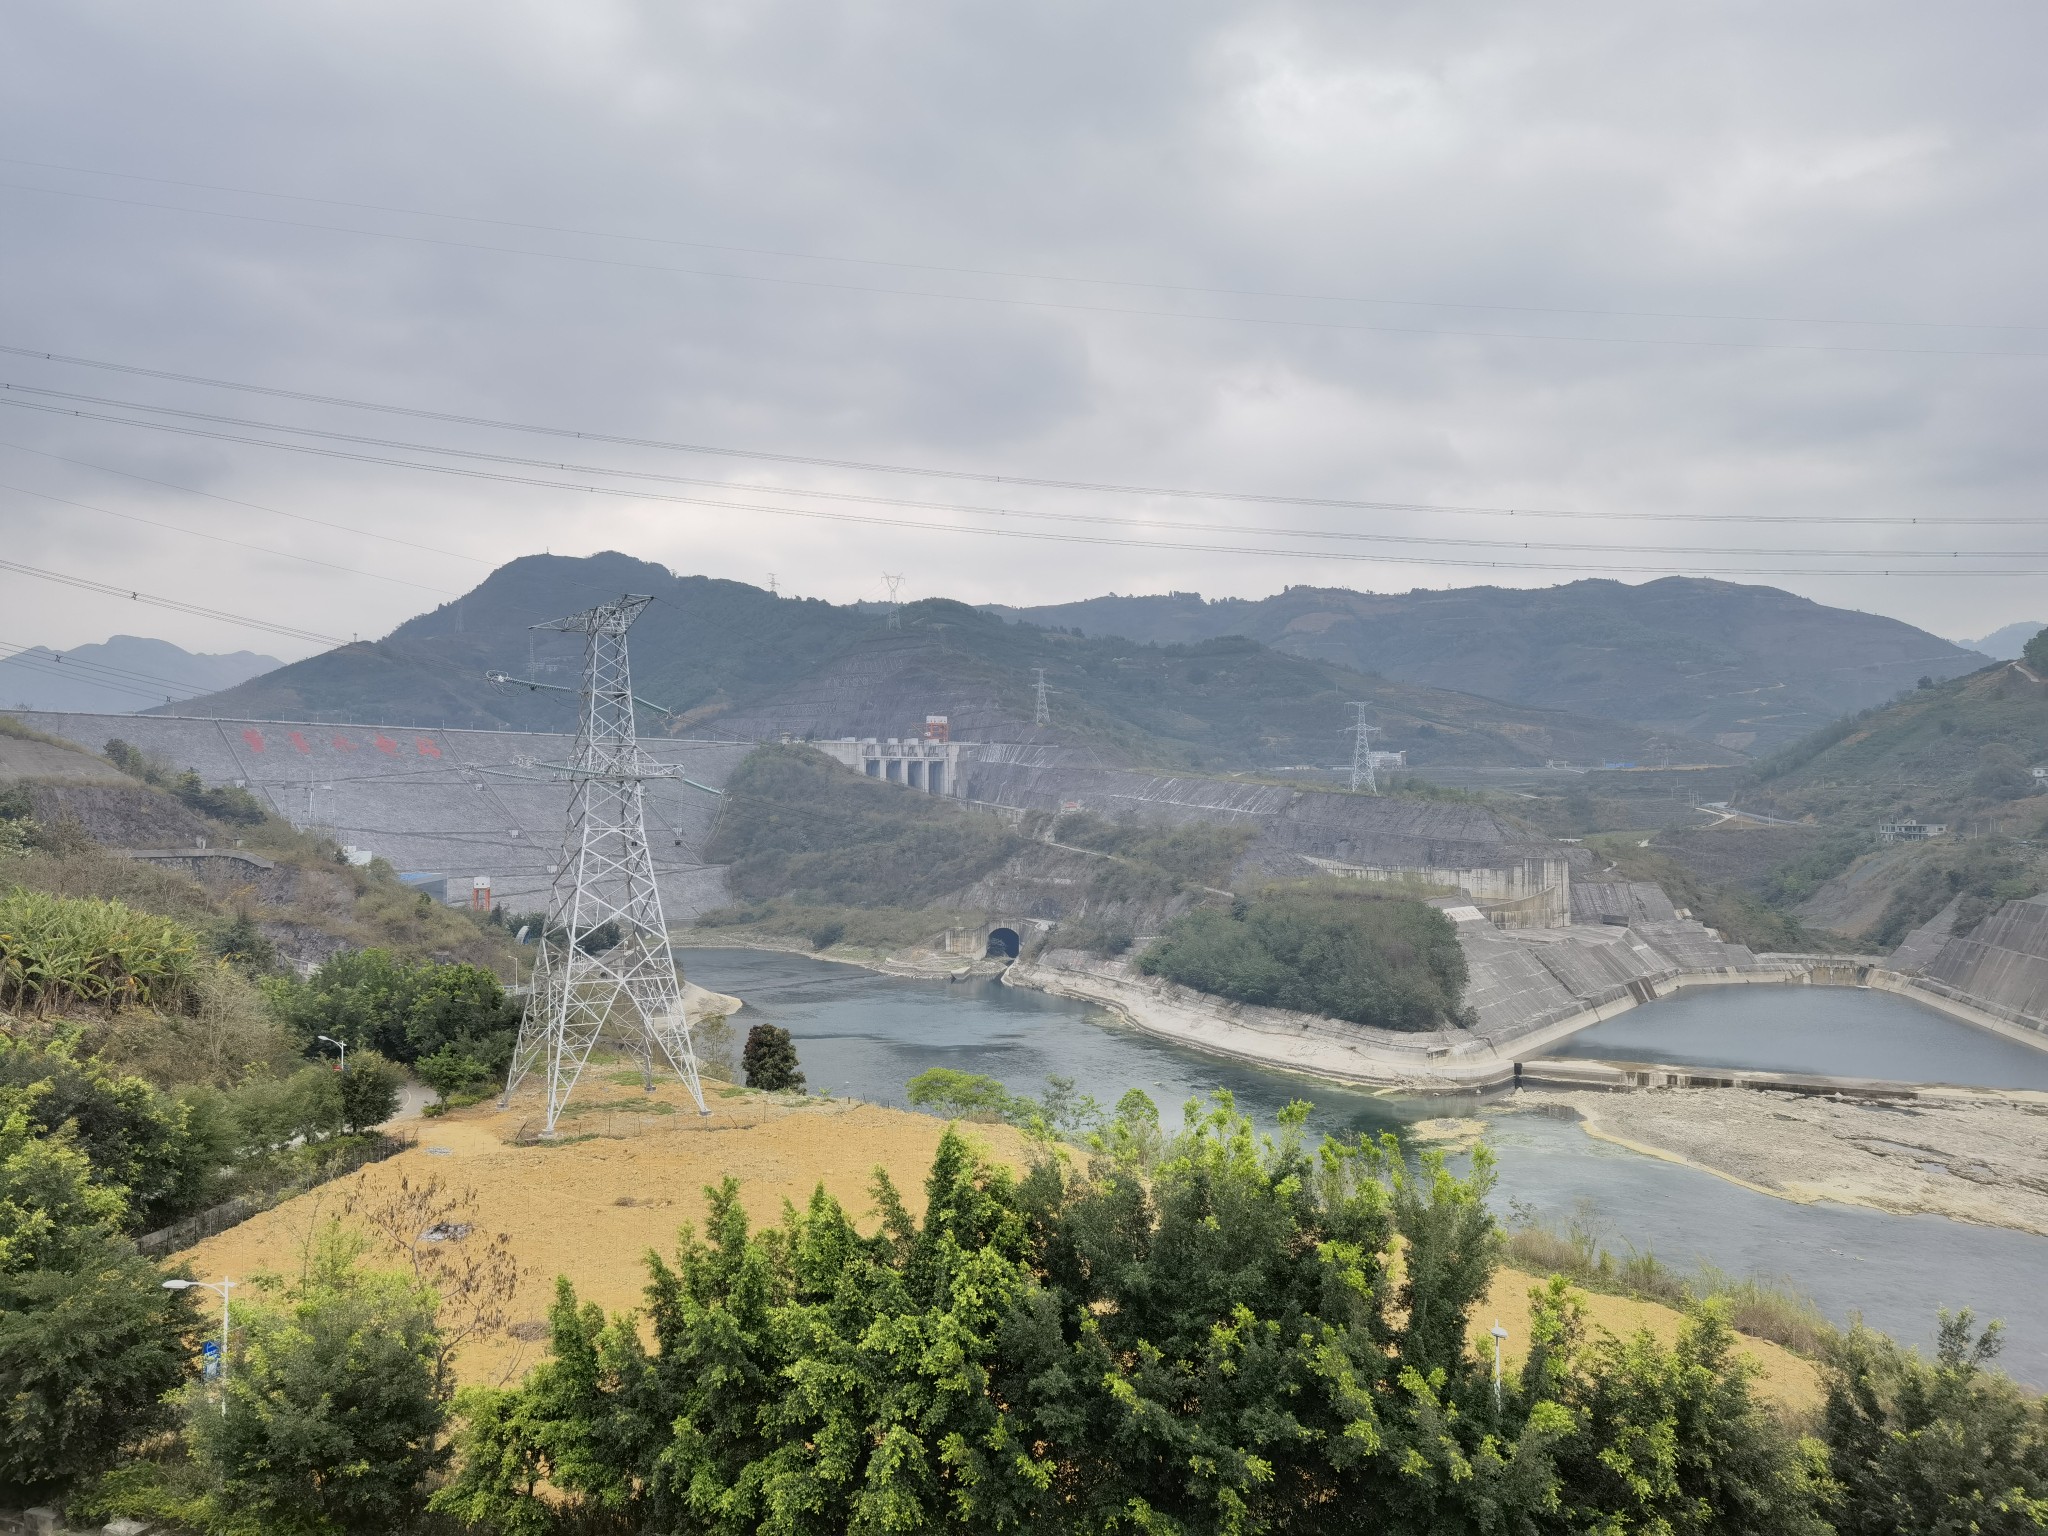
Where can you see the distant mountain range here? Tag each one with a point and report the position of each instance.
(1749, 667)
(1678, 670)
(733, 660)
(125, 675)
(2005, 644)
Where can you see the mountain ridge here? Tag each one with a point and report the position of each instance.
(1750, 667)
(727, 657)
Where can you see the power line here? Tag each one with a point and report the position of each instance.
(976, 476)
(27, 655)
(1042, 277)
(83, 584)
(814, 514)
(1006, 302)
(261, 549)
(1089, 519)
(254, 506)
(43, 662)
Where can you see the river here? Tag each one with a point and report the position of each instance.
(866, 1035)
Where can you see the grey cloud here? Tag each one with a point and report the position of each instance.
(1874, 162)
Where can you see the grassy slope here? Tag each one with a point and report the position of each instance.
(1919, 756)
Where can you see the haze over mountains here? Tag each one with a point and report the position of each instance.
(123, 675)
(1749, 667)
(1673, 671)
(2005, 644)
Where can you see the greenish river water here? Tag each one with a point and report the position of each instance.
(866, 1035)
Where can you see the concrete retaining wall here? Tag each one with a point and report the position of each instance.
(459, 803)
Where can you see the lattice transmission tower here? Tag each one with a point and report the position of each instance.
(1042, 713)
(1364, 771)
(585, 980)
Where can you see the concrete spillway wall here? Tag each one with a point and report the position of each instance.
(1999, 968)
(451, 802)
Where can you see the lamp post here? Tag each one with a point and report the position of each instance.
(340, 1045)
(1499, 1333)
(224, 1286)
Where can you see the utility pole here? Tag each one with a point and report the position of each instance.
(895, 585)
(604, 886)
(1042, 713)
(771, 585)
(1363, 774)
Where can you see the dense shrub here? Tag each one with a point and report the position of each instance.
(1224, 1334)
(1342, 951)
(1197, 852)
(403, 1011)
(58, 951)
(1933, 1446)
(90, 1342)
(794, 823)
(333, 1412)
(769, 1060)
(224, 802)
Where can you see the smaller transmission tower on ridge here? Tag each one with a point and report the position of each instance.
(1364, 774)
(895, 586)
(604, 953)
(1042, 713)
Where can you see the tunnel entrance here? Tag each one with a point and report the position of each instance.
(1002, 944)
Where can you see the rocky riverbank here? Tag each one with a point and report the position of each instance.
(1976, 1157)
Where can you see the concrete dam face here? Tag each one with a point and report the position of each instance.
(454, 803)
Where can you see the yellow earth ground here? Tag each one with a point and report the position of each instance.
(590, 1208)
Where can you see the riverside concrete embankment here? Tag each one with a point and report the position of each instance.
(1529, 990)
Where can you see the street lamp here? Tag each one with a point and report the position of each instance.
(223, 1286)
(1499, 1333)
(340, 1045)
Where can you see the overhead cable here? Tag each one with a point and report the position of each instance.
(817, 515)
(1087, 519)
(976, 476)
(261, 549)
(254, 506)
(290, 632)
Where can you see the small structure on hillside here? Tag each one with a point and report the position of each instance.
(1910, 831)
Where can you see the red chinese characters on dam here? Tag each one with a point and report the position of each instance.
(423, 745)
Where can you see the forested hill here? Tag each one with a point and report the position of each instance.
(1752, 666)
(1963, 748)
(735, 660)
(701, 647)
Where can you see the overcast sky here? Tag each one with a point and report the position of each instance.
(1645, 264)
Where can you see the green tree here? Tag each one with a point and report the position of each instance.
(449, 1071)
(769, 1060)
(2035, 654)
(136, 1139)
(334, 1405)
(2002, 774)
(1665, 1439)
(1937, 1448)
(369, 1090)
(1342, 950)
(90, 1342)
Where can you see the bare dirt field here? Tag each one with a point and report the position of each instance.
(590, 1208)
(1975, 1157)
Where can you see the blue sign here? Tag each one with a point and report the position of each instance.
(210, 1349)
